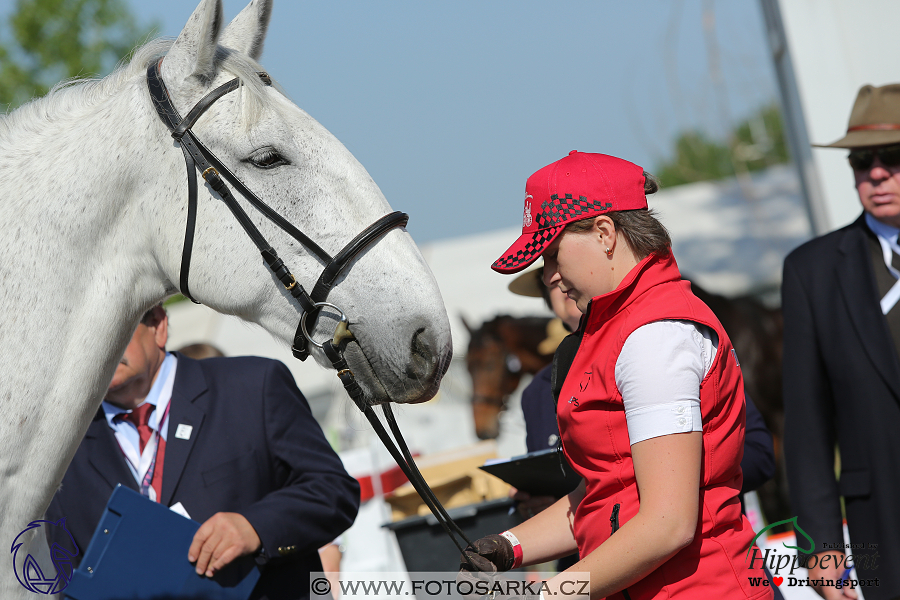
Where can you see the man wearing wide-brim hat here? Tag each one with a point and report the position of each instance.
(841, 368)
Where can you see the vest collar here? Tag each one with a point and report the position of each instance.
(650, 272)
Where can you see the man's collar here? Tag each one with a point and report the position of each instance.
(111, 411)
(881, 230)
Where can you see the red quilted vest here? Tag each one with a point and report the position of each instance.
(595, 439)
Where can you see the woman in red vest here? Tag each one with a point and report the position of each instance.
(650, 402)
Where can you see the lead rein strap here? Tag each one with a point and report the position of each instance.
(395, 429)
(405, 460)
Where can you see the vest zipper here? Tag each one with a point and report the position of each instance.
(614, 525)
(614, 519)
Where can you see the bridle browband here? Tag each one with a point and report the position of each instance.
(198, 157)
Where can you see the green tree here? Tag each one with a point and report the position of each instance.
(754, 144)
(46, 41)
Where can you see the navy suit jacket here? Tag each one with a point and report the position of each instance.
(254, 449)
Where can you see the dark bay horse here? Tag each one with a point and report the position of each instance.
(500, 352)
(503, 349)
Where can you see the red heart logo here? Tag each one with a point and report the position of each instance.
(778, 580)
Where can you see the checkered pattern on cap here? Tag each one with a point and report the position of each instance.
(601, 184)
(565, 210)
(528, 253)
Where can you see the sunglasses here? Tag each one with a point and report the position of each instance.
(862, 160)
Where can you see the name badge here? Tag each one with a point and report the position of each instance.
(183, 432)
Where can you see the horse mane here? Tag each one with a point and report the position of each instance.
(74, 98)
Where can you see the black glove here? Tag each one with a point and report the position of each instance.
(491, 554)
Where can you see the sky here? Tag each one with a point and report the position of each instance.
(450, 106)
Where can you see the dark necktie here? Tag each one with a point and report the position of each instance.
(895, 258)
(140, 418)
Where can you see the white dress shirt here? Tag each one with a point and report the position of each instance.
(127, 433)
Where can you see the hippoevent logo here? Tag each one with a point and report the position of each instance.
(779, 562)
(30, 573)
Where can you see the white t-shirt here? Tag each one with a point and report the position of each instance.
(659, 372)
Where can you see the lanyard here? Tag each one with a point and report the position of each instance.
(146, 488)
(147, 459)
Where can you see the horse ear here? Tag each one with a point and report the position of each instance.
(247, 31)
(466, 324)
(194, 52)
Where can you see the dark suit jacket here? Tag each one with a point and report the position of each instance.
(255, 449)
(842, 386)
(539, 410)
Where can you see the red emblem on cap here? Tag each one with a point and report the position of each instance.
(526, 219)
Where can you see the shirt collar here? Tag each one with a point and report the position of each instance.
(159, 395)
(883, 231)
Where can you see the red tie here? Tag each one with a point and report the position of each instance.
(140, 417)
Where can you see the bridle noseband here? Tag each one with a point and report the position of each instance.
(199, 158)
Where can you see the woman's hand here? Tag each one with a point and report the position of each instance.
(490, 554)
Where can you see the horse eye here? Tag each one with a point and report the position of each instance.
(267, 158)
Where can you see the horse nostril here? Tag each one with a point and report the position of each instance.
(421, 357)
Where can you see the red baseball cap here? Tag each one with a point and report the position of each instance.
(578, 186)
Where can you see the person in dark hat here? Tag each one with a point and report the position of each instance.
(841, 367)
(649, 399)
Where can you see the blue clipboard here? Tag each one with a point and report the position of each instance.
(139, 551)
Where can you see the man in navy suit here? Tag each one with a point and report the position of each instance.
(229, 442)
(841, 369)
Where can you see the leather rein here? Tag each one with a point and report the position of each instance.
(199, 158)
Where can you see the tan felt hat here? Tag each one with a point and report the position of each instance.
(874, 120)
(528, 283)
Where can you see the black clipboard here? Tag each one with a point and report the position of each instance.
(139, 551)
(541, 473)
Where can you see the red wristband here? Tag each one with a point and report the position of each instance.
(516, 546)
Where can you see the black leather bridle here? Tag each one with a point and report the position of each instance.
(199, 158)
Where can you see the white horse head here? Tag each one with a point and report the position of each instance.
(92, 223)
(304, 174)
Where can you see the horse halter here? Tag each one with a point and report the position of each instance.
(199, 157)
